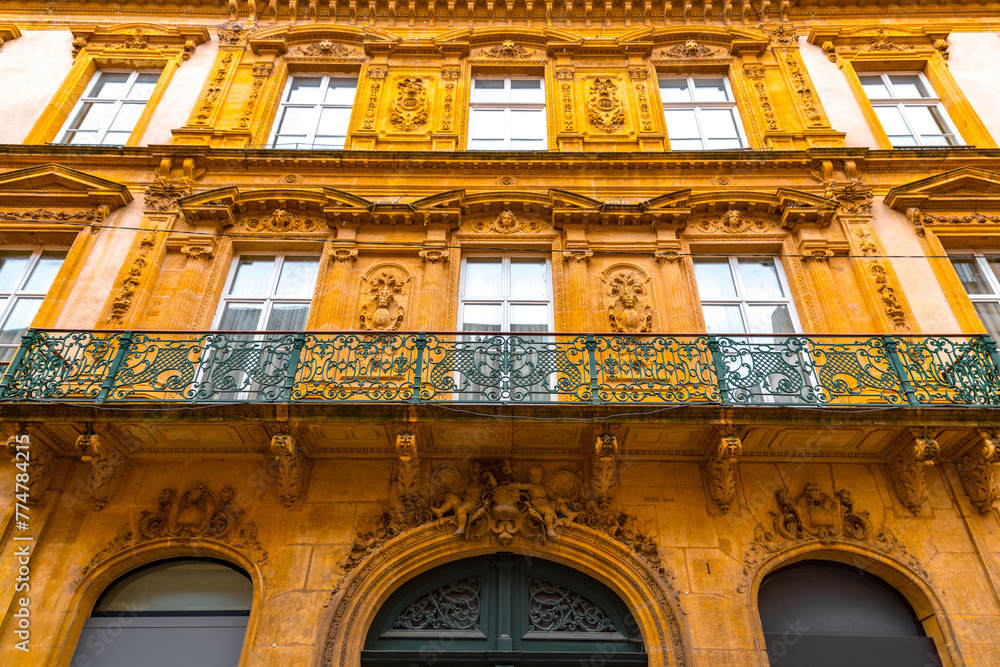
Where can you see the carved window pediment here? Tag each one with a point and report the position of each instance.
(959, 201)
(128, 39)
(875, 42)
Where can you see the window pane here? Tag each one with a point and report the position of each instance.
(528, 279)
(770, 319)
(240, 316)
(720, 144)
(719, 124)
(292, 141)
(969, 273)
(341, 91)
(115, 138)
(486, 145)
(904, 140)
(127, 117)
(179, 586)
(710, 90)
(874, 87)
(488, 124)
(143, 86)
(335, 143)
(253, 275)
(334, 121)
(478, 317)
(44, 272)
(892, 121)
(527, 145)
(19, 320)
(482, 279)
(760, 279)
(686, 145)
(298, 120)
(12, 265)
(924, 120)
(298, 277)
(529, 318)
(526, 91)
(305, 90)
(83, 138)
(489, 91)
(527, 124)
(288, 317)
(723, 319)
(94, 115)
(674, 90)
(111, 85)
(908, 85)
(994, 263)
(989, 313)
(714, 278)
(681, 124)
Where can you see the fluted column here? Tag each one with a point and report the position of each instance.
(432, 306)
(577, 317)
(184, 300)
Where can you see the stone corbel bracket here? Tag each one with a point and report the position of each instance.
(33, 458)
(605, 469)
(408, 473)
(292, 466)
(907, 470)
(8, 33)
(978, 468)
(721, 468)
(106, 463)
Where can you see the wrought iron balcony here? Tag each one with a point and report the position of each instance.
(362, 367)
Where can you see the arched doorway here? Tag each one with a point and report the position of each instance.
(499, 610)
(180, 611)
(821, 613)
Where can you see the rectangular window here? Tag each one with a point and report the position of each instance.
(506, 294)
(744, 295)
(315, 112)
(980, 275)
(268, 293)
(908, 111)
(110, 108)
(25, 278)
(701, 114)
(507, 114)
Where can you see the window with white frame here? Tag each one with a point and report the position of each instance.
(508, 293)
(744, 295)
(315, 112)
(25, 278)
(268, 293)
(980, 275)
(907, 109)
(110, 108)
(701, 113)
(507, 114)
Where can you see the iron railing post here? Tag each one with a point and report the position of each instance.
(595, 386)
(991, 350)
(890, 345)
(720, 369)
(293, 365)
(418, 367)
(124, 343)
(28, 341)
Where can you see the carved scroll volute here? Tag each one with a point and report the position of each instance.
(408, 475)
(106, 466)
(33, 459)
(604, 469)
(291, 467)
(628, 297)
(383, 298)
(908, 467)
(978, 470)
(722, 470)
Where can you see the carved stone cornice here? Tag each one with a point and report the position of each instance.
(106, 465)
(291, 466)
(907, 470)
(978, 470)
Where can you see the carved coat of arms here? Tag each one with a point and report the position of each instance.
(384, 295)
(604, 105)
(409, 109)
(628, 302)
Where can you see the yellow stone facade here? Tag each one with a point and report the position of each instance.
(152, 227)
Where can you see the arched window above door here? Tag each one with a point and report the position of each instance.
(502, 609)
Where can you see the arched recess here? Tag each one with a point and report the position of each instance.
(919, 593)
(89, 588)
(367, 587)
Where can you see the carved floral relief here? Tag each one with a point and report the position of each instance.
(604, 105)
(382, 297)
(507, 223)
(629, 298)
(409, 107)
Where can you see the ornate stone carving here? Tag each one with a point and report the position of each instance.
(577, 256)
(130, 283)
(691, 49)
(291, 467)
(137, 40)
(506, 49)
(866, 242)
(197, 514)
(781, 37)
(567, 105)
(213, 91)
(907, 471)
(455, 606)
(628, 297)
(604, 105)
(507, 223)
(234, 33)
(722, 470)
(756, 73)
(880, 42)
(344, 255)
(978, 471)
(447, 106)
(78, 45)
(554, 608)
(326, 49)
(161, 196)
(602, 481)
(105, 464)
(733, 222)
(970, 219)
(409, 109)
(281, 221)
(261, 71)
(642, 102)
(854, 198)
(815, 516)
(34, 459)
(805, 93)
(434, 255)
(374, 87)
(891, 304)
(382, 298)
(44, 215)
(916, 218)
(408, 475)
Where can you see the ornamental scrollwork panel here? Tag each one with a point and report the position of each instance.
(455, 606)
(554, 608)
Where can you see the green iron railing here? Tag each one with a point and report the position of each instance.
(135, 366)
